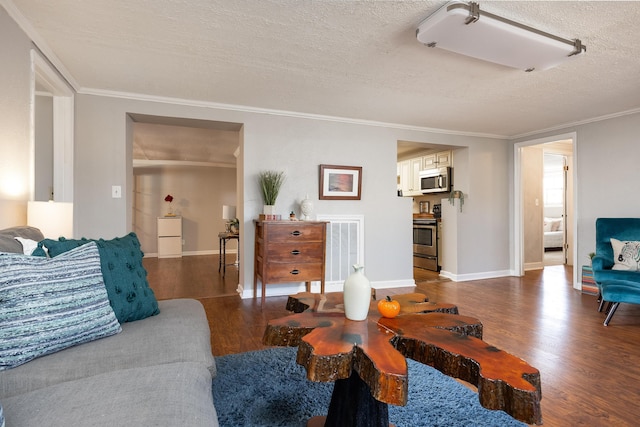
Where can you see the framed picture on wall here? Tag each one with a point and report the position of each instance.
(340, 182)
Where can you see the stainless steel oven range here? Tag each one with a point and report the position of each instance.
(425, 243)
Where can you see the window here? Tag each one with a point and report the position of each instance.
(553, 180)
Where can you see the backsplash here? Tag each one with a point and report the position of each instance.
(432, 199)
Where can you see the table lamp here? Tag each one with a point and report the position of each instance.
(228, 214)
(54, 219)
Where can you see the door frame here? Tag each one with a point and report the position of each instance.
(44, 76)
(518, 202)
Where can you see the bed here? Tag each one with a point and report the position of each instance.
(553, 233)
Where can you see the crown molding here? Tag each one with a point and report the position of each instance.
(273, 112)
(576, 123)
(39, 42)
(143, 163)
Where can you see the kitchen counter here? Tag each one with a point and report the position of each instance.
(423, 216)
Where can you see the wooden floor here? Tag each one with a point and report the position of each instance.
(590, 373)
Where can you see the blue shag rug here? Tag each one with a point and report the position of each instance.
(268, 388)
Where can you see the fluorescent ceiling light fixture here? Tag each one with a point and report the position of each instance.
(462, 28)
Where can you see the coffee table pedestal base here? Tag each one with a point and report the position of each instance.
(320, 421)
(352, 405)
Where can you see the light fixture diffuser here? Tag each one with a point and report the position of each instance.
(462, 28)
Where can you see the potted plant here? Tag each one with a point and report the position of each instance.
(270, 183)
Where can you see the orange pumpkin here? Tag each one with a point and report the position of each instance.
(388, 307)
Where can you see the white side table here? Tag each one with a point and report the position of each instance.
(169, 237)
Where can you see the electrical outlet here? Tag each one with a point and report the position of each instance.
(116, 191)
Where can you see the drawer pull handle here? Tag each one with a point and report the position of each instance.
(296, 233)
(295, 252)
(295, 271)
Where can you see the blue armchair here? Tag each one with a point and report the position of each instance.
(616, 286)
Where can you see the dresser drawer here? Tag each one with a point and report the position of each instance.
(169, 227)
(169, 247)
(295, 252)
(289, 232)
(293, 272)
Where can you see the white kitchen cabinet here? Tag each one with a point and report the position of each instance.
(416, 167)
(409, 173)
(170, 237)
(437, 160)
(405, 176)
(409, 170)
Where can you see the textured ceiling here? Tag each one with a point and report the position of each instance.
(352, 59)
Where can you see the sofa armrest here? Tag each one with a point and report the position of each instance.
(8, 243)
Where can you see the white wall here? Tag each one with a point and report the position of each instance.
(481, 245)
(199, 194)
(43, 152)
(532, 201)
(15, 140)
(297, 146)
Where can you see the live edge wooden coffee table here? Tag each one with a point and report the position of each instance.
(367, 359)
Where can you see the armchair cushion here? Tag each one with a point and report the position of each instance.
(626, 255)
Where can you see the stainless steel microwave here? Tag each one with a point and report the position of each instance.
(435, 180)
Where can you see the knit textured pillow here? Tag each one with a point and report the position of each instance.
(124, 275)
(47, 305)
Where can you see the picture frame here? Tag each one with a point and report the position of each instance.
(340, 182)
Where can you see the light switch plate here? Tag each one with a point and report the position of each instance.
(116, 191)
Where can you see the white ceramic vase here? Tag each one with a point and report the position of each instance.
(357, 295)
(269, 209)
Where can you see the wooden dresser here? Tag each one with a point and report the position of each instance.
(289, 251)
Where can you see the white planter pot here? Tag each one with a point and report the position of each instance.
(269, 209)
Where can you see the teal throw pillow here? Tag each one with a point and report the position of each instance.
(47, 305)
(124, 275)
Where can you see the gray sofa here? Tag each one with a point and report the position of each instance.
(156, 372)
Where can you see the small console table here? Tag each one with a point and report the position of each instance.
(224, 238)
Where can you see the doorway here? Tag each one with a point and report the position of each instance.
(194, 161)
(554, 188)
(542, 207)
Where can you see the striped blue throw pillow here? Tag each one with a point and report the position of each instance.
(49, 304)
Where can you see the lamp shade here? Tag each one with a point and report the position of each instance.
(462, 28)
(228, 212)
(54, 219)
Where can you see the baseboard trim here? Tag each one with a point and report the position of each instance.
(474, 276)
(192, 253)
(533, 266)
(284, 289)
